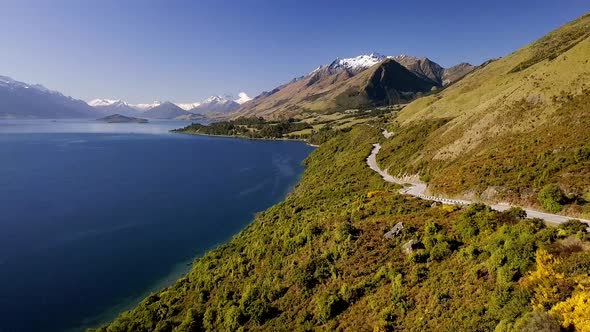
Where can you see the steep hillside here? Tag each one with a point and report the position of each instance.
(509, 129)
(320, 261)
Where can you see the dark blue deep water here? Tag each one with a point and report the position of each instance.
(94, 216)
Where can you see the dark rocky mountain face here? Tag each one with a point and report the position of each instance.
(426, 68)
(392, 83)
(422, 67)
(457, 72)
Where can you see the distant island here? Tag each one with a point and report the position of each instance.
(118, 118)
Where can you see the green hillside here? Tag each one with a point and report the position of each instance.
(507, 130)
(319, 261)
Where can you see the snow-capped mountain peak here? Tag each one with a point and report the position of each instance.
(107, 102)
(358, 63)
(242, 98)
(218, 99)
(188, 106)
(354, 65)
(145, 107)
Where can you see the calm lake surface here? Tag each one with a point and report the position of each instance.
(95, 216)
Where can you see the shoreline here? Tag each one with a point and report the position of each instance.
(173, 131)
(183, 268)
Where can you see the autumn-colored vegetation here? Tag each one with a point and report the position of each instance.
(319, 261)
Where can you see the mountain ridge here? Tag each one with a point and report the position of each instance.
(319, 90)
(22, 100)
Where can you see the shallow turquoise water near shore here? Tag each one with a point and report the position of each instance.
(93, 216)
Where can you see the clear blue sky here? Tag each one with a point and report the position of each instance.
(141, 50)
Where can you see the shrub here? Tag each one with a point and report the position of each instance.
(515, 213)
(345, 231)
(551, 198)
(440, 251)
(329, 306)
(572, 227)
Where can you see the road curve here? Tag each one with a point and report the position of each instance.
(417, 189)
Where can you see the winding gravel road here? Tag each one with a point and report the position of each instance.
(418, 189)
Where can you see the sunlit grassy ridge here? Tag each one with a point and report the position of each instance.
(508, 133)
(319, 261)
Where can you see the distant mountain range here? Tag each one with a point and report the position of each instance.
(109, 107)
(363, 81)
(216, 104)
(22, 100)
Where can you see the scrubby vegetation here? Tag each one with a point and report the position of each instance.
(247, 127)
(319, 261)
(556, 43)
(547, 166)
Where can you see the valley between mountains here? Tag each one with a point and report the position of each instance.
(513, 130)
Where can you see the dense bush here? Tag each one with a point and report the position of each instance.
(551, 198)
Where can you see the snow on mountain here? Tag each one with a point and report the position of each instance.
(107, 102)
(354, 65)
(242, 98)
(188, 106)
(145, 107)
(216, 104)
(10, 83)
(358, 63)
(113, 106)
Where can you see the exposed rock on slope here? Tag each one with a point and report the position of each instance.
(426, 68)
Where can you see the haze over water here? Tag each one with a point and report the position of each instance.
(94, 215)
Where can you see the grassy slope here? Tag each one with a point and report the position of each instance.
(515, 125)
(318, 261)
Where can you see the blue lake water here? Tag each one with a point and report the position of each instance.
(95, 216)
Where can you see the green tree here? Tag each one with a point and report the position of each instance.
(551, 198)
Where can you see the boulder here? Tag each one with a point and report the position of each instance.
(395, 231)
(410, 246)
